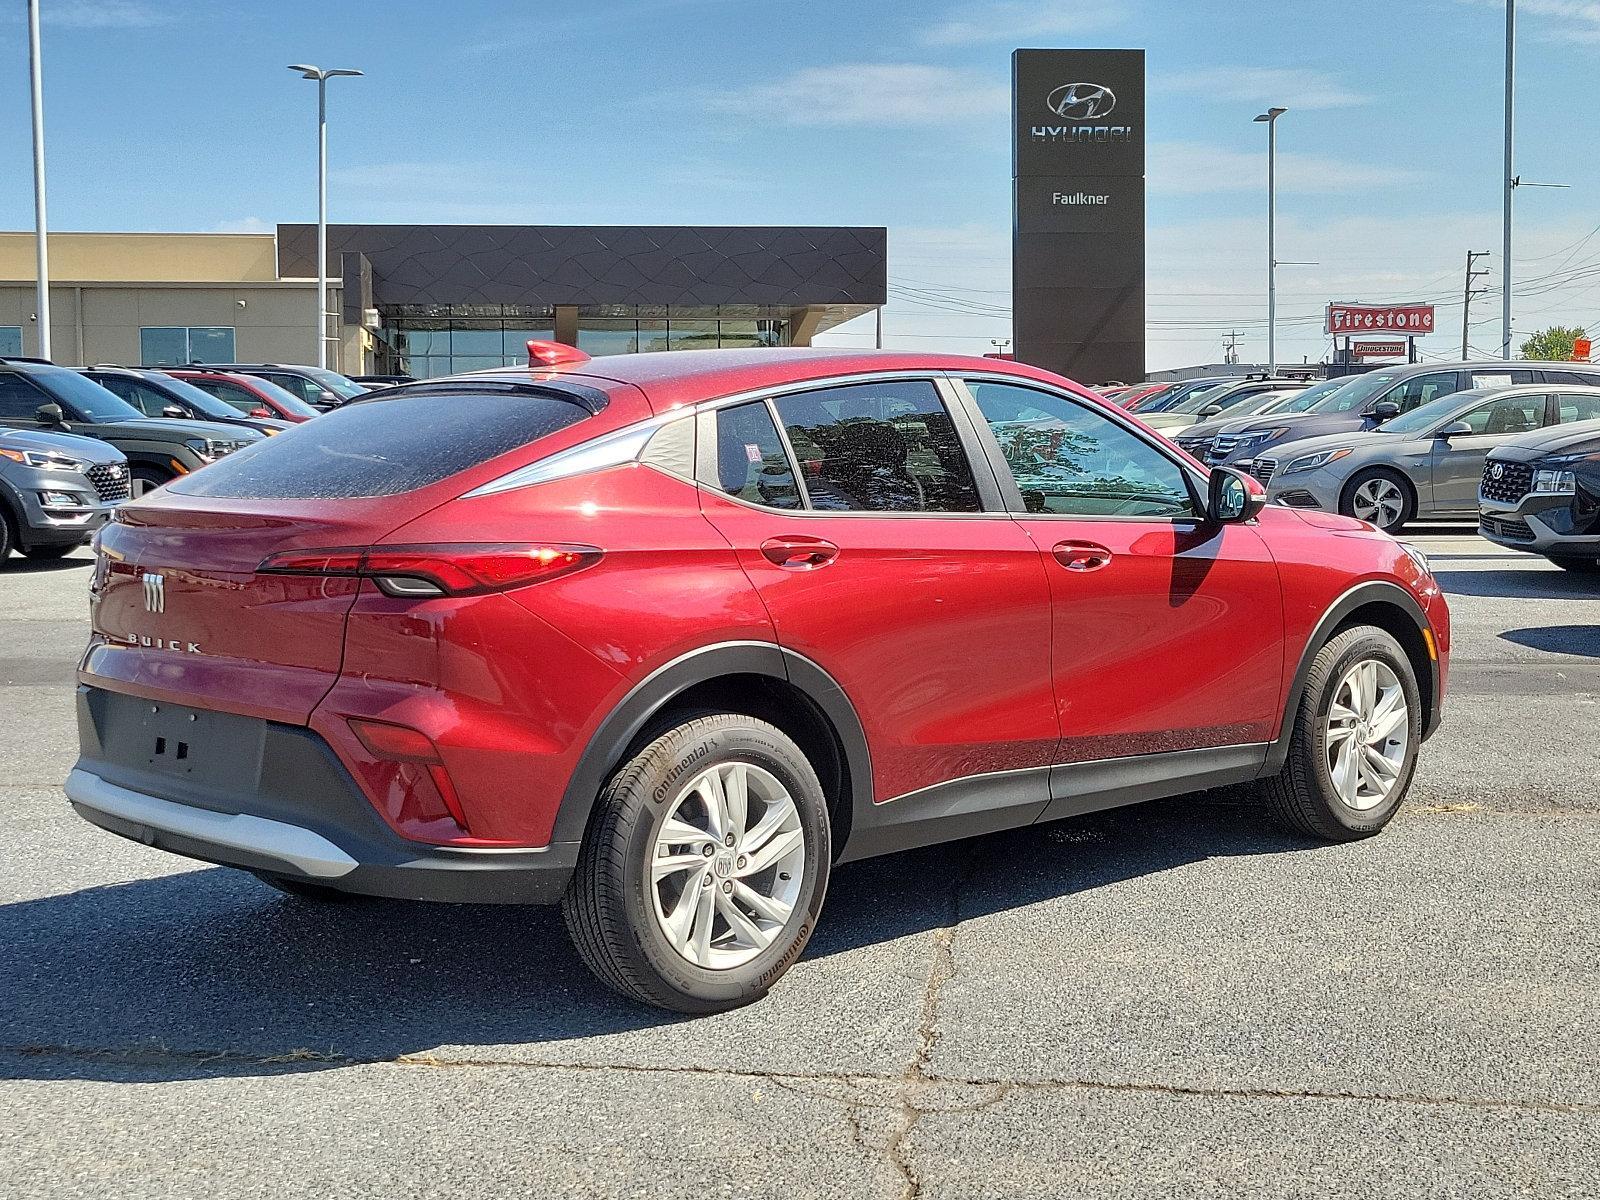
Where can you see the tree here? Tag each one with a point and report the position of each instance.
(1551, 345)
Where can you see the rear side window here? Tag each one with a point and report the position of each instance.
(879, 447)
(383, 447)
(1579, 407)
(751, 461)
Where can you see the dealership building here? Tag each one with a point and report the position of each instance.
(435, 299)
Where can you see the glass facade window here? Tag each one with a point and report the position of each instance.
(608, 331)
(444, 339)
(173, 345)
(447, 339)
(10, 341)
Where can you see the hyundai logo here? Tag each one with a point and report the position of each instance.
(1497, 471)
(1082, 101)
(155, 592)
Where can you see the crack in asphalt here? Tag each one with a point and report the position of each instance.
(794, 1081)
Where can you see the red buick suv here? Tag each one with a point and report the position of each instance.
(666, 637)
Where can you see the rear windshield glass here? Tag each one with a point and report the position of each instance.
(382, 447)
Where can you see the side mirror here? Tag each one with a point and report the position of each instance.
(1386, 410)
(1233, 497)
(1454, 429)
(172, 410)
(259, 412)
(1210, 410)
(50, 414)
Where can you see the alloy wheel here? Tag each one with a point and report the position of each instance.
(1368, 729)
(1380, 501)
(728, 862)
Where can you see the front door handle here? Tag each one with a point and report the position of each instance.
(798, 553)
(1081, 556)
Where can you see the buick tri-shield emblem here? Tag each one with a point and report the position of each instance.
(155, 592)
(1082, 101)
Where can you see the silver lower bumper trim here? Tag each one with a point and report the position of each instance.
(309, 853)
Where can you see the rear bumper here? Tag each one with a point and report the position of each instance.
(274, 798)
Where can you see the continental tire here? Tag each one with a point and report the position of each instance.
(705, 866)
(1354, 747)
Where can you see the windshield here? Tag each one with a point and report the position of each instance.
(1311, 396)
(336, 383)
(1425, 416)
(1355, 393)
(202, 402)
(1184, 391)
(84, 397)
(1206, 397)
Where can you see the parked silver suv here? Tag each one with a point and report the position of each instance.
(56, 489)
(1425, 463)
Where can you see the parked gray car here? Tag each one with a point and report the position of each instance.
(1367, 401)
(1426, 463)
(56, 489)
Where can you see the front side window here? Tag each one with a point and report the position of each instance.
(751, 461)
(146, 399)
(1509, 414)
(230, 394)
(19, 400)
(1420, 389)
(889, 446)
(1069, 460)
(1580, 406)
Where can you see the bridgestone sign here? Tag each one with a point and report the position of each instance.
(1077, 166)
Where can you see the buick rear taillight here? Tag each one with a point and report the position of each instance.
(449, 569)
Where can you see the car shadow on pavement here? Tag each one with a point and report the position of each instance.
(208, 973)
(1558, 639)
(1554, 584)
(43, 566)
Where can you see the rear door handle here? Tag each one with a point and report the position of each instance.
(1081, 556)
(798, 553)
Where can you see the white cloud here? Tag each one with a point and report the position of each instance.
(872, 94)
(243, 225)
(1574, 20)
(1195, 168)
(1292, 87)
(1207, 276)
(104, 14)
(1020, 21)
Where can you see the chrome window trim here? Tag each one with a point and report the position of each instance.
(954, 403)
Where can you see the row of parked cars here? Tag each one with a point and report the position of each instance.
(1515, 444)
(76, 442)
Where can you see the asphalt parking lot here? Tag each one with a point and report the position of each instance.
(1166, 1000)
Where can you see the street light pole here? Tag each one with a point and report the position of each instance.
(322, 77)
(1510, 183)
(40, 225)
(1270, 117)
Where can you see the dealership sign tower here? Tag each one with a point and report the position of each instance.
(1077, 245)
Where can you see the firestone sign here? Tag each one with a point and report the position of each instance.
(1407, 320)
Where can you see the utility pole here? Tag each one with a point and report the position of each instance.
(1510, 182)
(40, 230)
(1270, 119)
(1230, 347)
(1466, 296)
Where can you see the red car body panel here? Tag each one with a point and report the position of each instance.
(270, 404)
(962, 643)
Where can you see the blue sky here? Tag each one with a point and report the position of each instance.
(176, 115)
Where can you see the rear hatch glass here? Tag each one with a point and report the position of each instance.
(384, 446)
